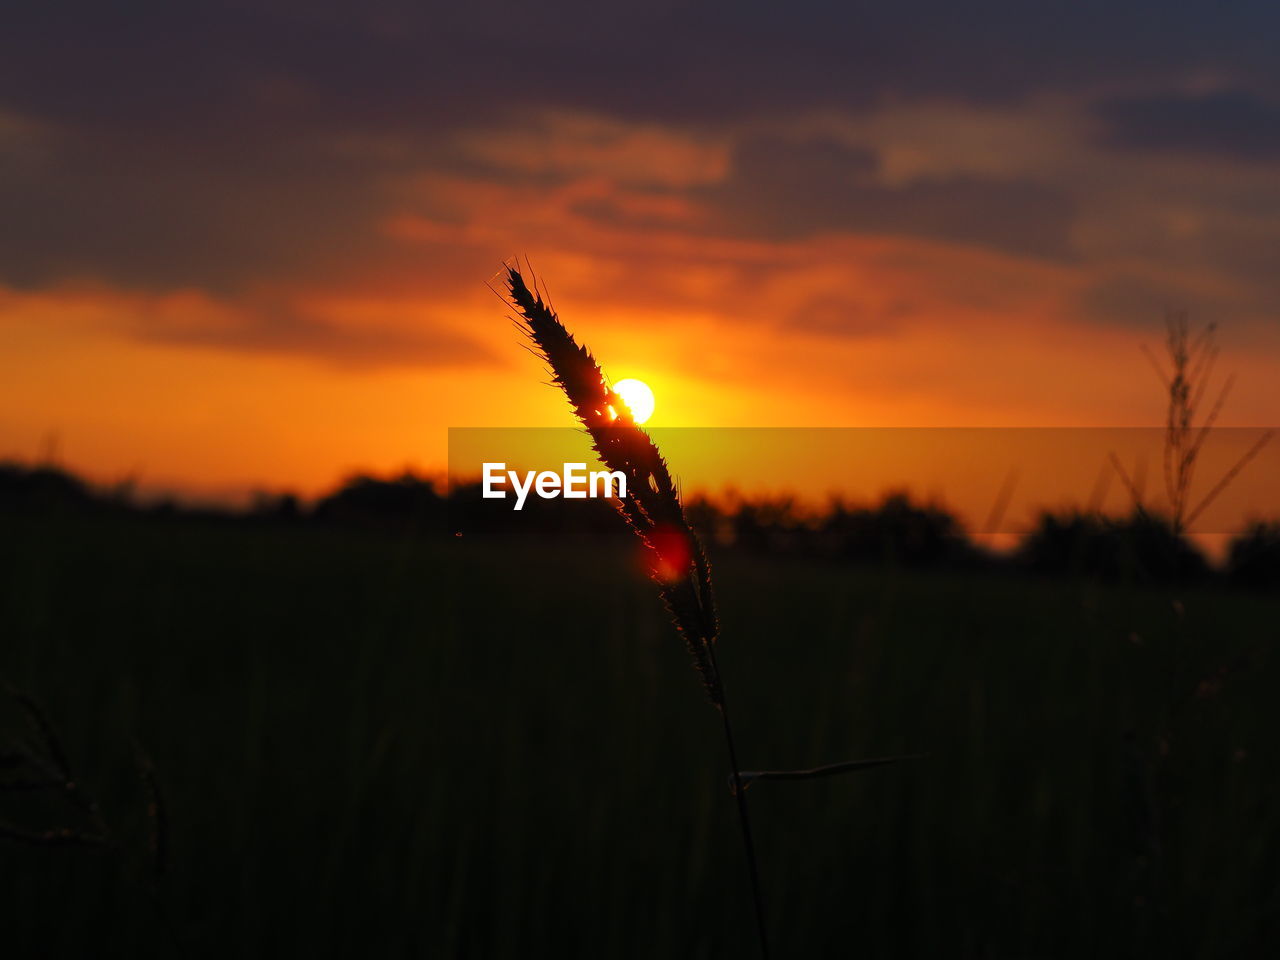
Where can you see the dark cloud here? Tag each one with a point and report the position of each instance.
(265, 67)
(222, 146)
(278, 328)
(160, 222)
(1136, 301)
(134, 215)
(781, 189)
(1143, 301)
(611, 211)
(1234, 124)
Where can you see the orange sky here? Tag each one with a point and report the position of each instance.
(987, 340)
(276, 289)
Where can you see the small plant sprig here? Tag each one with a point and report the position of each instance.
(1186, 381)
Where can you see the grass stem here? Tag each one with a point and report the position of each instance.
(744, 818)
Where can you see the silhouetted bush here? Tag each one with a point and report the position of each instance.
(1253, 559)
(281, 507)
(771, 524)
(368, 501)
(896, 531)
(1141, 548)
(41, 489)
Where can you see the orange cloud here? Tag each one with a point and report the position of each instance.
(369, 331)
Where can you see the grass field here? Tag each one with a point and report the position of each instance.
(383, 745)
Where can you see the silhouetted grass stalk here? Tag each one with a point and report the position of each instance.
(1191, 363)
(653, 508)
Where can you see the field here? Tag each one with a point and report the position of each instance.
(378, 744)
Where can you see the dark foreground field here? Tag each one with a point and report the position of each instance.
(371, 745)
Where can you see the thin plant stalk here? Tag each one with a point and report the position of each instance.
(652, 507)
(1191, 360)
(744, 821)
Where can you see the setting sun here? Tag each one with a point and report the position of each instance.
(638, 397)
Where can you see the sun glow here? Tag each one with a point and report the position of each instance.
(638, 398)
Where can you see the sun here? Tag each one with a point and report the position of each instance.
(638, 398)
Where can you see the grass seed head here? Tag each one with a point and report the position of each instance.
(652, 504)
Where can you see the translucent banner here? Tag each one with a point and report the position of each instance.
(994, 481)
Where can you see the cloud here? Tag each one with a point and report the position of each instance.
(1236, 124)
(848, 317)
(120, 213)
(354, 335)
(1139, 297)
(780, 189)
(385, 149)
(558, 146)
(276, 68)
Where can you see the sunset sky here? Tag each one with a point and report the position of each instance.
(248, 246)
